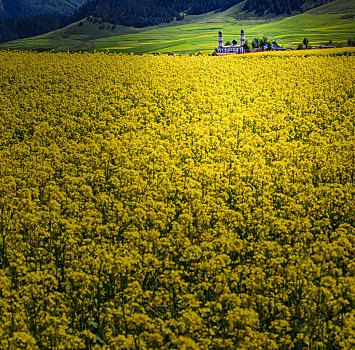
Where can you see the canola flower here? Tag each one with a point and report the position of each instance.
(158, 202)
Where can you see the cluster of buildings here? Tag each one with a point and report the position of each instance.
(229, 49)
(237, 49)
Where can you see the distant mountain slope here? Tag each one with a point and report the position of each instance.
(2, 10)
(141, 13)
(26, 8)
(128, 13)
(260, 7)
(198, 33)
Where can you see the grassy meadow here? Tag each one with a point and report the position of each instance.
(333, 21)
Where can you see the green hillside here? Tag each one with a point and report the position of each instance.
(333, 21)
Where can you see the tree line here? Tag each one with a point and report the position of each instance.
(274, 6)
(13, 29)
(150, 12)
(279, 7)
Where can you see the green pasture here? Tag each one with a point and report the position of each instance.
(334, 22)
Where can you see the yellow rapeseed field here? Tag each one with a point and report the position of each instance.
(176, 202)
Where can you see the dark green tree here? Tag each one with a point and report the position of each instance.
(351, 41)
(263, 42)
(255, 43)
(246, 46)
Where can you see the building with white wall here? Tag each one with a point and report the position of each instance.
(230, 49)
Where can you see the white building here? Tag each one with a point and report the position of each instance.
(230, 49)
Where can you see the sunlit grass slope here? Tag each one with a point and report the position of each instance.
(333, 21)
(176, 202)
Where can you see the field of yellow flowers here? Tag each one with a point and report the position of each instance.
(176, 202)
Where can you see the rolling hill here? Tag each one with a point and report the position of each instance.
(332, 21)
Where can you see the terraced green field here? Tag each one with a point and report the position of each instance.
(334, 22)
